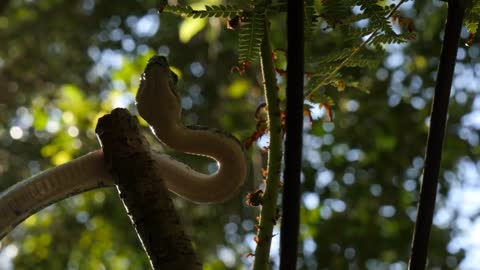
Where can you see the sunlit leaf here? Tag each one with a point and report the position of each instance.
(190, 27)
(61, 157)
(40, 118)
(238, 88)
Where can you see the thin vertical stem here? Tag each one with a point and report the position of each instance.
(293, 141)
(269, 207)
(436, 134)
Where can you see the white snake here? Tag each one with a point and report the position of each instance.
(159, 104)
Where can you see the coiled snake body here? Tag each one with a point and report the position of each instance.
(159, 104)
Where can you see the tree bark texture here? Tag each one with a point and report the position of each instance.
(143, 193)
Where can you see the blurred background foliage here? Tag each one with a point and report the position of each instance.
(63, 64)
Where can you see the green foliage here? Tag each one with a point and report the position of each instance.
(222, 11)
(377, 14)
(379, 31)
(472, 17)
(252, 25)
(334, 12)
(337, 14)
(250, 37)
(311, 19)
(389, 136)
(321, 98)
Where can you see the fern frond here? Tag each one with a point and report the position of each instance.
(355, 18)
(251, 37)
(393, 38)
(224, 11)
(322, 98)
(311, 19)
(364, 62)
(363, 58)
(320, 80)
(377, 14)
(357, 85)
(354, 32)
(331, 57)
(334, 12)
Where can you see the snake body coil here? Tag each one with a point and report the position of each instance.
(159, 104)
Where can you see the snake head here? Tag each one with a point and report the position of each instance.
(162, 61)
(157, 99)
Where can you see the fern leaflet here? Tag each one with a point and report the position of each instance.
(250, 37)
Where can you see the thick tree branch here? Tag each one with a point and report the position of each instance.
(143, 193)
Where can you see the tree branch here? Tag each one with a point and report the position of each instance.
(143, 193)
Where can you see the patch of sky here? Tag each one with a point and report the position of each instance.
(387, 211)
(323, 178)
(227, 255)
(461, 97)
(309, 246)
(461, 53)
(396, 79)
(473, 51)
(410, 185)
(128, 44)
(381, 74)
(348, 178)
(142, 49)
(94, 53)
(352, 105)
(197, 69)
(311, 200)
(394, 60)
(116, 34)
(415, 84)
(376, 190)
(24, 118)
(349, 253)
(187, 103)
(163, 50)
(354, 155)
(147, 25)
(88, 6)
(336, 205)
(417, 103)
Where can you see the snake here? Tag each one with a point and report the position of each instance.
(157, 102)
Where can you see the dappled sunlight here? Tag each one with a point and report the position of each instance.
(362, 154)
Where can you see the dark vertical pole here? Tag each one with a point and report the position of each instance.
(438, 118)
(293, 141)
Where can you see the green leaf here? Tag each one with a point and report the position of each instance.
(190, 27)
(251, 37)
(238, 88)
